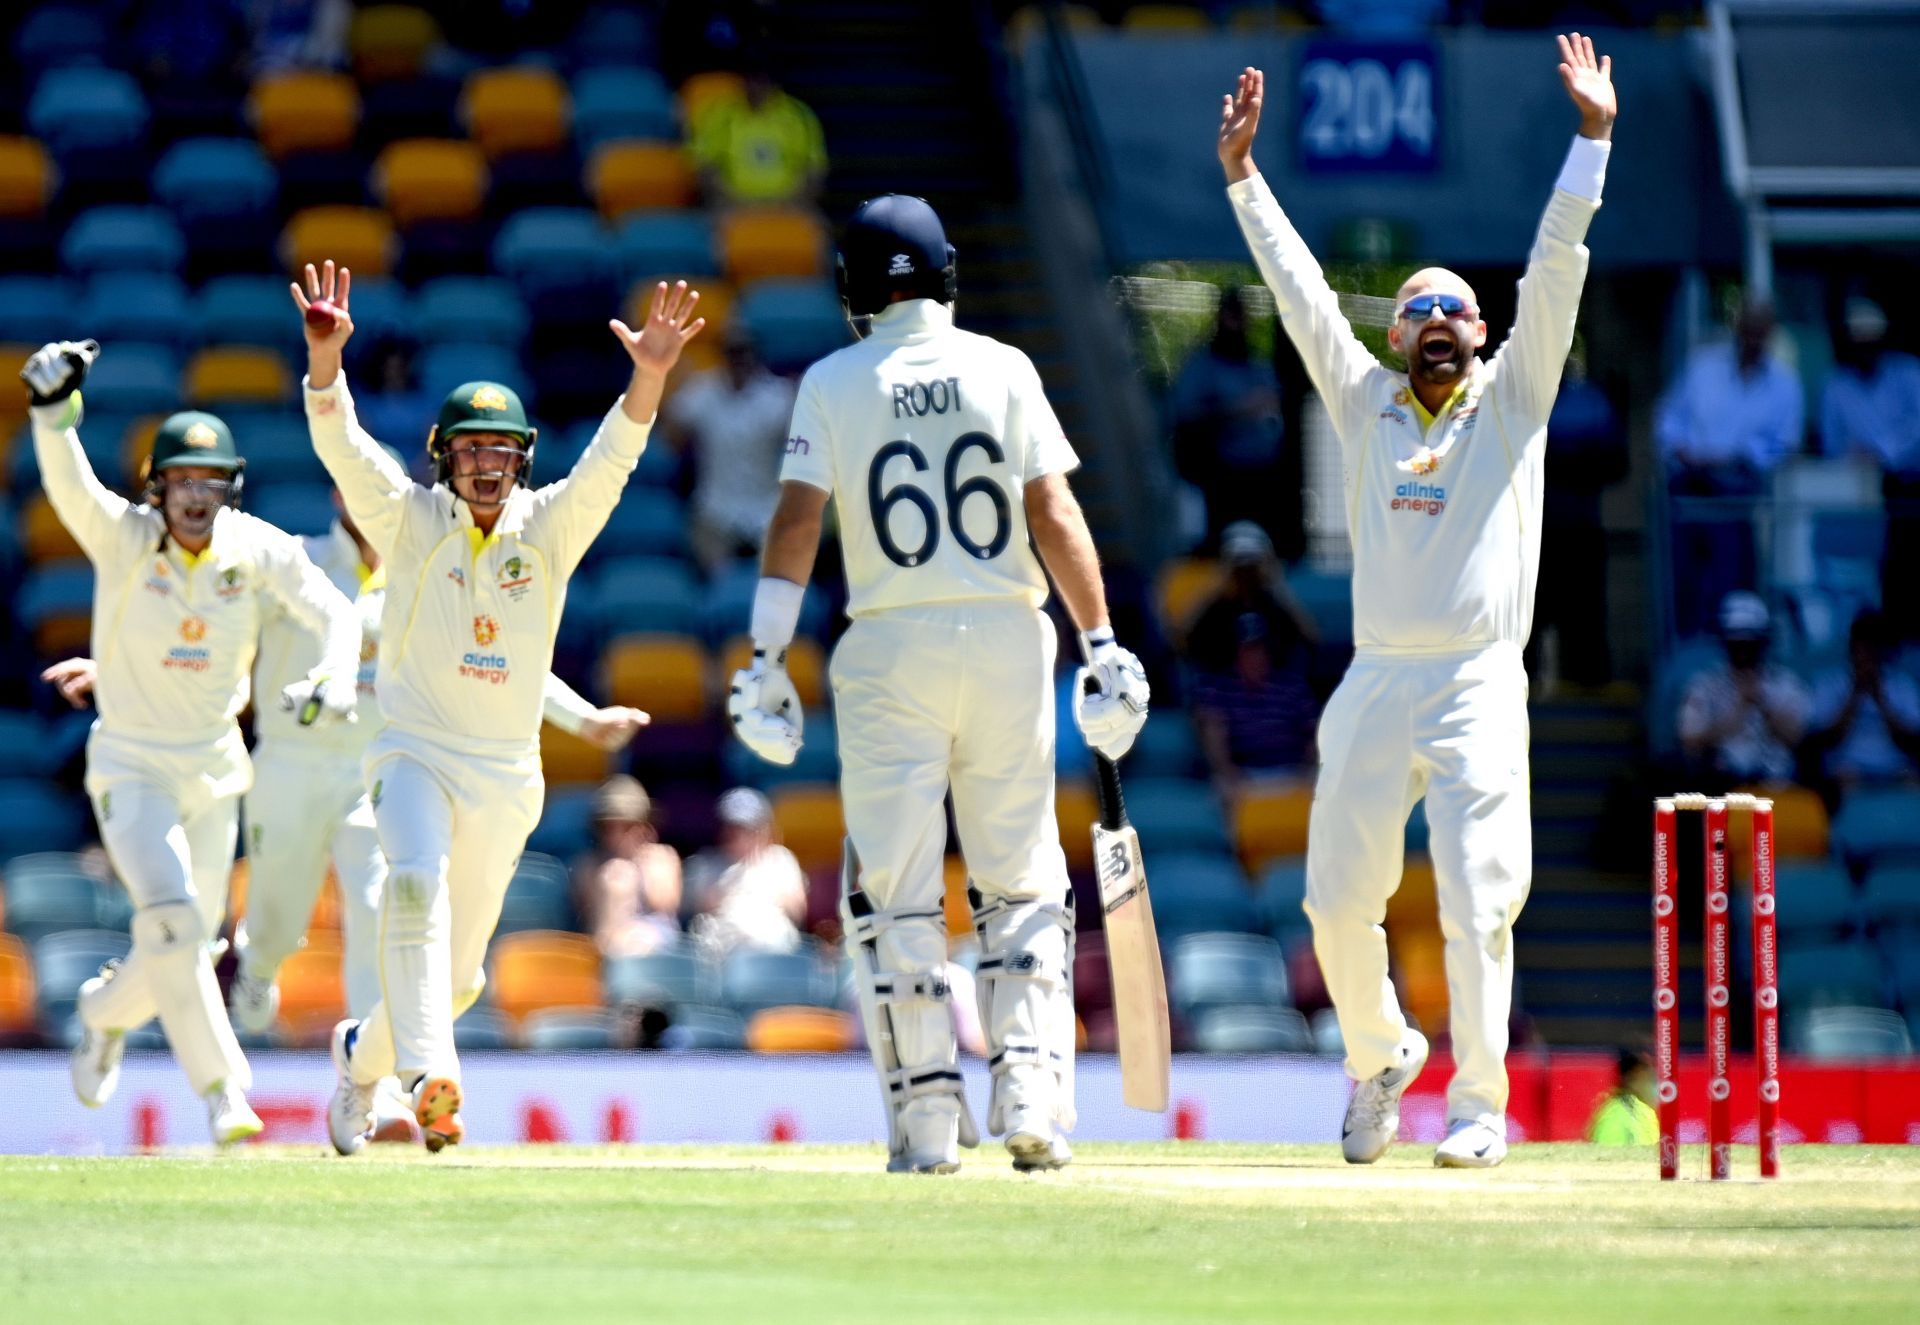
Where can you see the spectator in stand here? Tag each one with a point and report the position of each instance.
(763, 147)
(627, 888)
(1625, 1115)
(1872, 408)
(1740, 723)
(1586, 451)
(732, 424)
(747, 891)
(1250, 649)
(1226, 422)
(1865, 724)
(1722, 429)
(299, 34)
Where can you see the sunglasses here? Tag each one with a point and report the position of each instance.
(1421, 306)
(214, 490)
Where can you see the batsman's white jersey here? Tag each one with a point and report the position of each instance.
(1445, 524)
(174, 637)
(926, 436)
(465, 651)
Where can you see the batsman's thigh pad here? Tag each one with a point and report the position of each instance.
(1024, 984)
(170, 950)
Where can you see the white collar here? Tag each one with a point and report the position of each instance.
(912, 319)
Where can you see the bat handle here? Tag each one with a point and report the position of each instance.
(1113, 806)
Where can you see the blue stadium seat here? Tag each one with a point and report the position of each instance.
(34, 309)
(482, 1030)
(443, 367)
(102, 437)
(84, 107)
(250, 310)
(818, 760)
(646, 523)
(298, 508)
(50, 891)
(483, 309)
(648, 595)
(1328, 599)
(1250, 1030)
(1196, 892)
(1817, 901)
(612, 102)
(653, 243)
(751, 981)
(137, 306)
(24, 737)
(278, 451)
(55, 36)
(1850, 1034)
(382, 311)
(1892, 898)
(1166, 747)
(1220, 970)
(1175, 814)
(794, 321)
(134, 377)
(546, 247)
(216, 179)
(539, 897)
(729, 604)
(1282, 896)
(123, 238)
(1417, 832)
(1878, 824)
(672, 978)
(567, 1030)
(613, 35)
(563, 830)
(62, 963)
(705, 1028)
(1828, 974)
(37, 816)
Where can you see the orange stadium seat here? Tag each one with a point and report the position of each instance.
(633, 174)
(716, 306)
(16, 986)
(954, 900)
(800, 1031)
(808, 819)
(391, 42)
(1076, 807)
(772, 241)
(26, 177)
(357, 237)
(42, 535)
(238, 375)
(522, 108)
(569, 760)
(1422, 958)
(707, 89)
(64, 634)
(543, 968)
(431, 179)
(1416, 905)
(1270, 821)
(324, 922)
(312, 989)
(1164, 18)
(806, 665)
(237, 880)
(666, 675)
(1800, 824)
(304, 110)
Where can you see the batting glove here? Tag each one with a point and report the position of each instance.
(55, 370)
(1110, 696)
(314, 700)
(764, 708)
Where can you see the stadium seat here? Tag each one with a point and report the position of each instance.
(122, 238)
(1828, 975)
(304, 110)
(1270, 821)
(1878, 823)
(794, 321)
(26, 177)
(615, 102)
(134, 378)
(818, 760)
(753, 980)
(1817, 901)
(1421, 957)
(1077, 809)
(630, 175)
(215, 179)
(1282, 897)
(1250, 1030)
(61, 964)
(560, 259)
(313, 992)
(757, 242)
(705, 1028)
(122, 306)
(808, 820)
(666, 675)
(539, 897)
(482, 1030)
(1328, 599)
(247, 310)
(1800, 827)
(644, 523)
(567, 1030)
(382, 311)
(1173, 814)
(1418, 831)
(672, 978)
(1327, 1040)
(1849, 1034)
(519, 108)
(1416, 902)
(428, 179)
(786, 1030)
(1170, 749)
(18, 1010)
(56, 604)
(1892, 899)
(567, 760)
(297, 508)
(359, 238)
(56, 35)
(536, 969)
(1217, 970)
(85, 107)
(1164, 18)
(474, 309)
(661, 241)
(227, 375)
(43, 538)
(701, 91)
(806, 666)
(564, 827)
(390, 42)
(49, 891)
(648, 595)
(36, 309)
(1196, 892)
(1180, 589)
(450, 364)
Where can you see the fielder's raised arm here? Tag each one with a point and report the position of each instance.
(371, 482)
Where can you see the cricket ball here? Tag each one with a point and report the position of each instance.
(321, 315)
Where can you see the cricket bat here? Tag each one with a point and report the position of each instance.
(1133, 951)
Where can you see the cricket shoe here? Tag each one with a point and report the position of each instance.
(1373, 1114)
(1035, 1143)
(929, 1138)
(436, 1107)
(95, 1063)
(255, 1002)
(1470, 1144)
(229, 1115)
(350, 1111)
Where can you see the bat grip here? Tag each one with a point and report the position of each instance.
(1113, 807)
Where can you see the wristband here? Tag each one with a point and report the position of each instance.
(1585, 170)
(1098, 643)
(776, 614)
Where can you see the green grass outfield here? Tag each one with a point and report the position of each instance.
(1165, 1232)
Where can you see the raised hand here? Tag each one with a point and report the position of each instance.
(1239, 122)
(324, 315)
(669, 325)
(1589, 81)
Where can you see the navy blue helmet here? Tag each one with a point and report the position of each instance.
(893, 243)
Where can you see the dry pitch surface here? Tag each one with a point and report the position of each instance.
(1172, 1232)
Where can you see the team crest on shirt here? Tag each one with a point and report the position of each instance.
(485, 630)
(516, 578)
(232, 583)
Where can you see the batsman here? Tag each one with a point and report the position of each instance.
(1445, 466)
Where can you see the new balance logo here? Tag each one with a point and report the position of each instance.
(1117, 863)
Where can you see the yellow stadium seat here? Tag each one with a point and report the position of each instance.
(716, 306)
(756, 242)
(707, 89)
(1076, 807)
(634, 174)
(238, 374)
(237, 880)
(26, 177)
(1164, 18)
(304, 110)
(1800, 824)
(324, 922)
(522, 108)
(1416, 905)
(42, 535)
(808, 819)
(391, 42)
(1183, 585)
(312, 989)
(357, 237)
(65, 634)
(543, 968)
(431, 179)
(806, 665)
(666, 675)
(569, 760)
(1422, 959)
(17, 1012)
(800, 1031)
(1270, 821)
(136, 447)
(955, 902)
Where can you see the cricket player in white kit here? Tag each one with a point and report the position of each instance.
(1444, 469)
(945, 458)
(477, 568)
(181, 583)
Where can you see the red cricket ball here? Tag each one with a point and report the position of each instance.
(321, 315)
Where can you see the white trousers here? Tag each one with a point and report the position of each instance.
(1451, 728)
(452, 827)
(169, 818)
(309, 805)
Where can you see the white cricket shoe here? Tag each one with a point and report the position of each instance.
(350, 1111)
(95, 1063)
(255, 1002)
(1035, 1143)
(1470, 1144)
(230, 1116)
(930, 1138)
(1373, 1114)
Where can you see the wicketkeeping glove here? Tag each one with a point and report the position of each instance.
(55, 370)
(1110, 697)
(764, 708)
(314, 700)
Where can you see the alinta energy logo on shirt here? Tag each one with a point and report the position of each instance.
(188, 656)
(482, 666)
(1412, 496)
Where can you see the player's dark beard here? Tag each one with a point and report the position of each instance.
(1427, 364)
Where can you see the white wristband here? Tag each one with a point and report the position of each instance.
(1585, 169)
(776, 613)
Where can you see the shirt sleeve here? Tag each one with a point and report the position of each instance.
(310, 599)
(373, 484)
(809, 457)
(92, 512)
(1310, 311)
(563, 706)
(573, 511)
(1535, 351)
(1034, 432)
